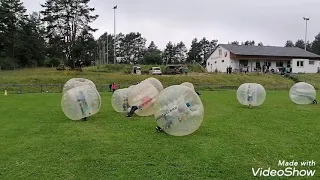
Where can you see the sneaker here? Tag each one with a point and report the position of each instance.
(158, 129)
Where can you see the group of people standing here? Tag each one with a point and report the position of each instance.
(229, 70)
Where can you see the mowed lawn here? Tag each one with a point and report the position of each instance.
(37, 141)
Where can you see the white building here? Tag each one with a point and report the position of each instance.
(260, 58)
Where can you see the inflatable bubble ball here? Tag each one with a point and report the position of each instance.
(302, 93)
(143, 96)
(155, 82)
(80, 102)
(187, 84)
(178, 110)
(75, 82)
(251, 94)
(119, 100)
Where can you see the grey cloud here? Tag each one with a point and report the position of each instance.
(272, 22)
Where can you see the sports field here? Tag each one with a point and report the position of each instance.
(37, 141)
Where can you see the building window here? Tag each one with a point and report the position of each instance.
(208, 63)
(279, 64)
(222, 60)
(311, 62)
(220, 51)
(299, 63)
(215, 62)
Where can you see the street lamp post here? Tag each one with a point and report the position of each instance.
(114, 43)
(305, 38)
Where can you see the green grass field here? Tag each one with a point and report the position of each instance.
(37, 141)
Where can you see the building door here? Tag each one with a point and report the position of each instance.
(243, 65)
(258, 66)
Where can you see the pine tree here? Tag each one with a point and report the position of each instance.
(316, 44)
(68, 20)
(289, 43)
(168, 53)
(152, 55)
(181, 53)
(194, 52)
(299, 43)
(12, 15)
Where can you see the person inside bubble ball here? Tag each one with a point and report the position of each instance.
(145, 101)
(125, 105)
(83, 105)
(179, 112)
(250, 97)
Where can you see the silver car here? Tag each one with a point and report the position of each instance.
(155, 71)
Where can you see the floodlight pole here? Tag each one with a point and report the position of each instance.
(114, 26)
(305, 38)
(107, 50)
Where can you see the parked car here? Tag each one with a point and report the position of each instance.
(174, 69)
(155, 71)
(136, 70)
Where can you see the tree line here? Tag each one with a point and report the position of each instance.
(61, 34)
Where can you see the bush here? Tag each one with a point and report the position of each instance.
(8, 63)
(49, 62)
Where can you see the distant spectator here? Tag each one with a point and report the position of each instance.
(186, 70)
(114, 87)
(110, 87)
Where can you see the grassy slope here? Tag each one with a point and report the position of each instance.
(126, 68)
(38, 142)
(313, 79)
(52, 76)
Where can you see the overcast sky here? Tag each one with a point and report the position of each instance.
(271, 22)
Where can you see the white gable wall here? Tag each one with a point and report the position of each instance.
(219, 60)
(306, 67)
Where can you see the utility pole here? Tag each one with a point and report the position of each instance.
(305, 38)
(107, 49)
(103, 52)
(99, 51)
(114, 43)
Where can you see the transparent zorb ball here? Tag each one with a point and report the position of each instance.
(119, 100)
(75, 82)
(178, 110)
(81, 102)
(143, 96)
(302, 93)
(251, 94)
(155, 82)
(187, 84)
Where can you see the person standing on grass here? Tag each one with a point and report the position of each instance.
(186, 70)
(114, 87)
(110, 87)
